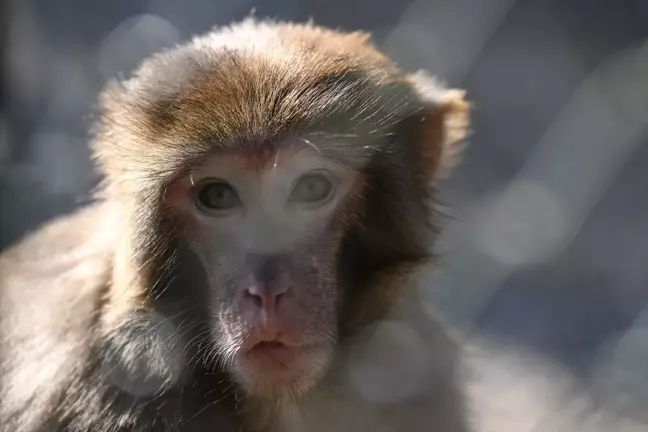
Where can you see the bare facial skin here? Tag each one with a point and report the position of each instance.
(269, 235)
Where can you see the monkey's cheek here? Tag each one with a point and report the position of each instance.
(143, 357)
(277, 371)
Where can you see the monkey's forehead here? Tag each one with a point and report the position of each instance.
(295, 157)
(247, 88)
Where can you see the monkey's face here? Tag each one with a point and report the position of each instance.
(309, 156)
(267, 230)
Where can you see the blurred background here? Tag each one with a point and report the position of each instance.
(546, 240)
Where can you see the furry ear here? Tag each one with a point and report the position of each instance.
(446, 118)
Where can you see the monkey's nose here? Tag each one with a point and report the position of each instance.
(264, 297)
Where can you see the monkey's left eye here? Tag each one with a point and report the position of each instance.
(217, 195)
(314, 188)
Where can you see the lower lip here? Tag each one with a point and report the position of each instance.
(279, 355)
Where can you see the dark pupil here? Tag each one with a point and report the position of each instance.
(218, 196)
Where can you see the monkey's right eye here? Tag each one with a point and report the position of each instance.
(217, 196)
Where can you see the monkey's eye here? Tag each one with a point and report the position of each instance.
(314, 188)
(217, 195)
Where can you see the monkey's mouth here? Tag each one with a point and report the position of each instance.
(276, 353)
(272, 366)
(273, 344)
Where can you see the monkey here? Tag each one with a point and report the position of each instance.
(267, 187)
(268, 191)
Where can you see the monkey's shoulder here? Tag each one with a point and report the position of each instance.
(58, 265)
(55, 275)
(55, 239)
(58, 246)
(51, 285)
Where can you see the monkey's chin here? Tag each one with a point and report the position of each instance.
(273, 370)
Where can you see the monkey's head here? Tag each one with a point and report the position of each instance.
(295, 164)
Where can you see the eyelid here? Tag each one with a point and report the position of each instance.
(209, 180)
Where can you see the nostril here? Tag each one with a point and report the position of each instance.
(256, 299)
(264, 298)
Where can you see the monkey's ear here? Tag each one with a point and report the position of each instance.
(446, 118)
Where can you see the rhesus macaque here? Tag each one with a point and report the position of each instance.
(267, 191)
